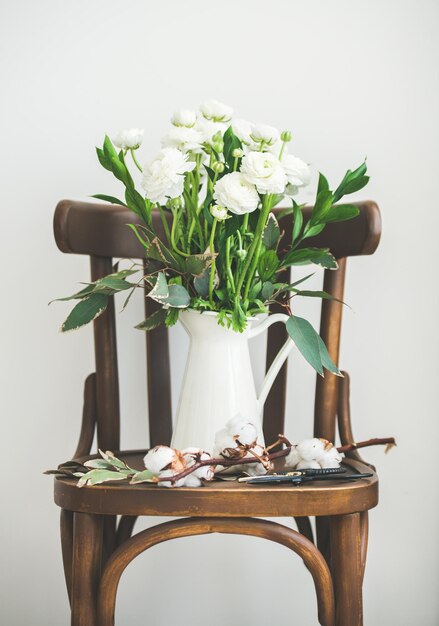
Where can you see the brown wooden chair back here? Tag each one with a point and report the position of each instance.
(100, 231)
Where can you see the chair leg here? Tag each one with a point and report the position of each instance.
(323, 537)
(66, 526)
(86, 566)
(347, 570)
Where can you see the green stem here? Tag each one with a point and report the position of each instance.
(173, 243)
(250, 261)
(165, 223)
(136, 162)
(228, 266)
(212, 268)
(281, 150)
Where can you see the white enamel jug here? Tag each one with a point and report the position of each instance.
(218, 382)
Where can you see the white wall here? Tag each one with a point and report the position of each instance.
(349, 79)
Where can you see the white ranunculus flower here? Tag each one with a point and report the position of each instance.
(130, 138)
(163, 177)
(265, 171)
(243, 130)
(264, 134)
(297, 171)
(184, 117)
(219, 212)
(235, 193)
(209, 128)
(184, 138)
(216, 111)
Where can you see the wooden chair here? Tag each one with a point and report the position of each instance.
(97, 522)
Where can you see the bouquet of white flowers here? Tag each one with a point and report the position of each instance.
(214, 183)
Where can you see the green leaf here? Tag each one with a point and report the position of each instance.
(323, 184)
(85, 311)
(314, 230)
(352, 181)
(153, 321)
(98, 464)
(306, 340)
(160, 291)
(98, 476)
(158, 251)
(113, 282)
(178, 297)
(210, 172)
(231, 226)
(355, 185)
(103, 159)
(255, 290)
(342, 212)
(201, 284)
(206, 212)
(196, 264)
(144, 476)
(268, 290)
(268, 264)
(326, 360)
(317, 294)
(172, 317)
(271, 232)
(231, 141)
(298, 221)
(111, 199)
(318, 256)
(322, 207)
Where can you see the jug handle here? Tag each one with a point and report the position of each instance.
(279, 359)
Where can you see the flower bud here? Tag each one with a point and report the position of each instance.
(241, 254)
(285, 136)
(218, 167)
(219, 212)
(237, 153)
(218, 146)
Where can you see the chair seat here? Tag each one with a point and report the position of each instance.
(219, 498)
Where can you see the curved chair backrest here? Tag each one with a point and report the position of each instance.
(100, 231)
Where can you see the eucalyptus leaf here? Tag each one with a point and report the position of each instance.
(85, 311)
(306, 340)
(160, 291)
(153, 321)
(268, 290)
(201, 284)
(196, 264)
(326, 360)
(144, 476)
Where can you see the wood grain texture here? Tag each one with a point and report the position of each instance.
(87, 547)
(107, 379)
(88, 424)
(347, 571)
(66, 528)
(76, 224)
(189, 527)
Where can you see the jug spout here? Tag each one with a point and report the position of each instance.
(279, 359)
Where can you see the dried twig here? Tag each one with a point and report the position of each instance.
(387, 441)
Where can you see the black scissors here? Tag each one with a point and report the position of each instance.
(300, 476)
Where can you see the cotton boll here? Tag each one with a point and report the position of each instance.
(331, 458)
(169, 483)
(310, 449)
(293, 457)
(191, 481)
(307, 465)
(223, 440)
(191, 456)
(243, 430)
(158, 458)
